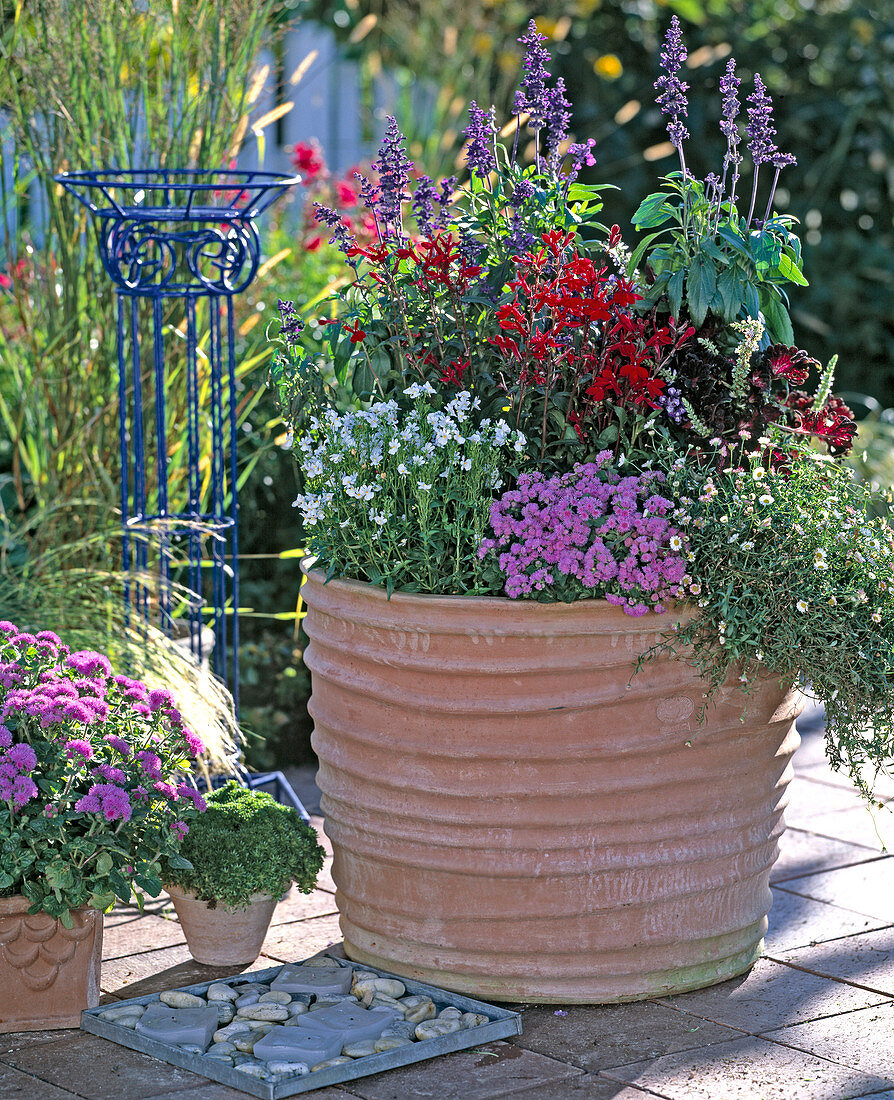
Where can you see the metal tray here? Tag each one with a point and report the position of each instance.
(502, 1024)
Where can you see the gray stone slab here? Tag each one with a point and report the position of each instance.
(483, 1073)
(865, 960)
(587, 1087)
(865, 888)
(15, 1085)
(596, 1038)
(749, 1068)
(798, 921)
(872, 828)
(101, 1070)
(804, 853)
(808, 798)
(772, 995)
(859, 1039)
(289, 942)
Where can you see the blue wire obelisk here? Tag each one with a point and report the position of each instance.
(178, 246)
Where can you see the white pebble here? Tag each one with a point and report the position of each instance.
(329, 1063)
(176, 998)
(473, 1019)
(434, 1029)
(258, 1011)
(220, 991)
(294, 1069)
(297, 1008)
(275, 997)
(359, 1049)
(252, 1069)
(391, 1042)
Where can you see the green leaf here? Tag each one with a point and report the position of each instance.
(653, 210)
(180, 863)
(779, 325)
(701, 283)
(752, 302)
(637, 254)
(733, 238)
(789, 270)
(104, 864)
(675, 293)
(729, 286)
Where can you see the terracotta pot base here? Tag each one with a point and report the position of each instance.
(221, 936)
(48, 973)
(515, 815)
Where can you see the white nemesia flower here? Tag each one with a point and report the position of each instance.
(402, 469)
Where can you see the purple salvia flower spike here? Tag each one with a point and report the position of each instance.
(531, 96)
(448, 186)
(393, 167)
(479, 136)
(558, 118)
(729, 89)
(761, 132)
(672, 99)
(424, 205)
(342, 237)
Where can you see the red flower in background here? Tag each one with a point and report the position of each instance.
(307, 158)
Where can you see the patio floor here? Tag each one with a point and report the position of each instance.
(812, 1020)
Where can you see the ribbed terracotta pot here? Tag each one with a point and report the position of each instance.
(515, 815)
(221, 936)
(48, 973)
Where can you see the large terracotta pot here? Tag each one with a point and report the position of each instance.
(48, 973)
(218, 935)
(517, 816)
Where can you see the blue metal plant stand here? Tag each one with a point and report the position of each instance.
(178, 246)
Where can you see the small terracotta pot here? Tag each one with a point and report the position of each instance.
(518, 814)
(221, 936)
(48, 973)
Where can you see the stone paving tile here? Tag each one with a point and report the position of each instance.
(866, 960)
(867, 887)
(17, 1040)
(873, 829)
(496, 1069)
(596, 1038)
(213, 1090)
(130, 937)
(168, 968)
(291, 942)
(324, 879)
(22, 1086)
(100, 1070)
(587, 1087)
(798, 921)
(749, 1068)
(155, 907)
(772, 995)
(859, 1039)
(298, 906)
(803, 853)
(808, 798)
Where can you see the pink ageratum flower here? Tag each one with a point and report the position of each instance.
(78, 747)
(180, 828)
(86, 662)
(159, 698)
(190, 793)
(23, 790)
(167, 790)
(150, 762)
(105, 798)
(194, 743)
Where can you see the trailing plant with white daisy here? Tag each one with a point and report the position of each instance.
(795, 577)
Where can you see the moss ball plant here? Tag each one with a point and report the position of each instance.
(247, 843)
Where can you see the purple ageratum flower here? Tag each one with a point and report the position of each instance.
(194, 744)
(672, 99)
(5, 737)
(180, 828)
(166, 790)
(10, 674)
(78, 747)
(49, 636)
(23, 790)
(558, 117)
(23, 757)
(393, 167)
(424, 198)
(159, 698)
(531, 94)
(190, 793)
(479, 136)
(112, 775)
(87, 663)
(6, 627)
(150, 762)
(105, 798)
(118, 743)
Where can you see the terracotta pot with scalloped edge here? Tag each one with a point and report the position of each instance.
(515, 815)
(48, 973)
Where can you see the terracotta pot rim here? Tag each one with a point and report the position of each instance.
(426, 599)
